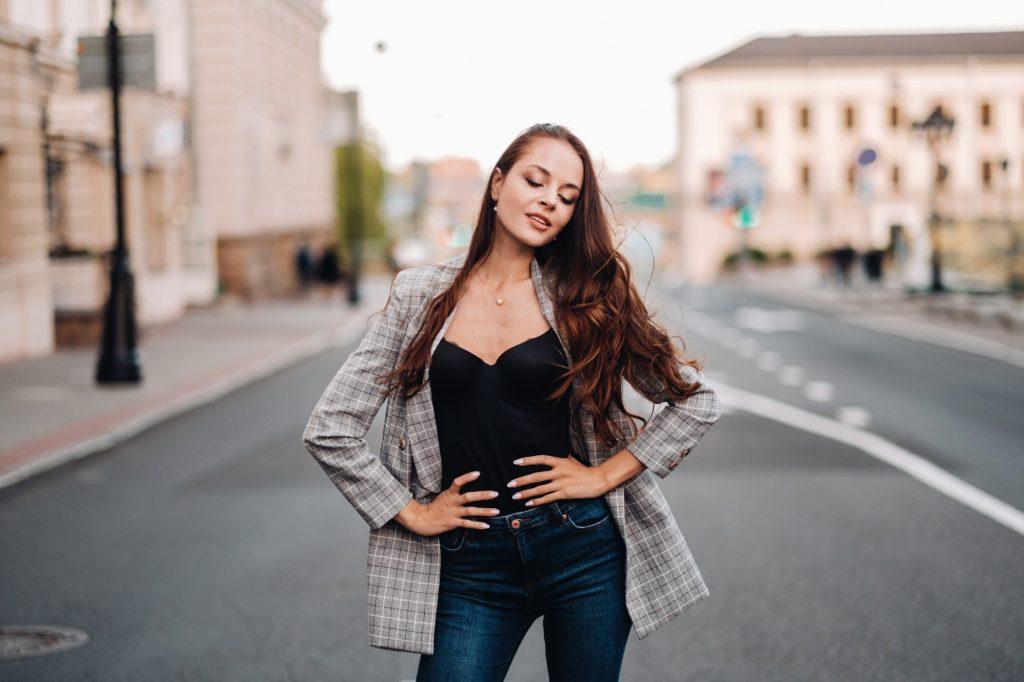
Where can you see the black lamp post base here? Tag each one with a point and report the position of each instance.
(119, 357)
(119, 368)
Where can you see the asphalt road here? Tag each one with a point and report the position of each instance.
(212, 547)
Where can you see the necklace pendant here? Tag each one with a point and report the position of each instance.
(500, 301)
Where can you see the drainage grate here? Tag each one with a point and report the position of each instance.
(20, 641)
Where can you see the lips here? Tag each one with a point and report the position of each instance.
(539, 220)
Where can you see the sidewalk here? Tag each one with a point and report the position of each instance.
(988, 325)
(52, 411)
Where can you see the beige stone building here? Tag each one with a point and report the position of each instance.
(30, 71)
(806, 106)
(227, 161)
(263, 158)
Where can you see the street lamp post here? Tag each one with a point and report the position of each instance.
(119, 357)
(936, 128)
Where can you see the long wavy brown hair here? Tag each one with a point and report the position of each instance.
(601, 315)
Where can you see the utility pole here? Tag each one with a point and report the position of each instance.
(119, 357)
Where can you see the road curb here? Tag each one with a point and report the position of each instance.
(271, 363)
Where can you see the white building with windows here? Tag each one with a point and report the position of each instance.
(807, 106)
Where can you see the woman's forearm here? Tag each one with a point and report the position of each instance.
(619, 468)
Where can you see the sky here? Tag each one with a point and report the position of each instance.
(464, 78)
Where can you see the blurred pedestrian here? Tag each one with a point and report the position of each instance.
(328, 272)
(304, 270)
(845, 257)
(873, 262)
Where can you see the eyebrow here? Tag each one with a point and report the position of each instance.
(546, 172)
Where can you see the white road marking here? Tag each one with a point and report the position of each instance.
(791, 375)
(767, 320)
(881, 449)
(818, 391)
(747, 347)
(854, 416)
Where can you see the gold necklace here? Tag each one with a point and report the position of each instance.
(481, 277)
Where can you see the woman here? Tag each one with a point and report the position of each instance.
(512, 482)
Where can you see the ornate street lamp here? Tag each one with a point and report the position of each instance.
(119, 358)
(936, 128)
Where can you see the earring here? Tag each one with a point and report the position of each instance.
(495, 207)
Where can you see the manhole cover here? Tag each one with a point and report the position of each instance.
(19, 641)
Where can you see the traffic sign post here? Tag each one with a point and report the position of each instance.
(744, 187)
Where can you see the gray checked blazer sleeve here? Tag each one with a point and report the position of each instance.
(336, 432)
(676, 429)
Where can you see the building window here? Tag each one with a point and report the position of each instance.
(805, 177)
(759, 118)
(894, 116)
(894, 177)
(805, 117)
(985, 115)
(849, 117)
(986, 174)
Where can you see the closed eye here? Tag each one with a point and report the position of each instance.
(564, 200)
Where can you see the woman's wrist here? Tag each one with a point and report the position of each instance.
(409, 515)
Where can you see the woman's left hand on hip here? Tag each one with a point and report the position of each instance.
(568, 478)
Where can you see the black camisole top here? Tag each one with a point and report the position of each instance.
(489, 415)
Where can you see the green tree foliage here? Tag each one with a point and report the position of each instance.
(359, 179)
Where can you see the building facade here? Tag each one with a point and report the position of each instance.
(263, 158)
(807, 107)
(30, 71)
(226, 159)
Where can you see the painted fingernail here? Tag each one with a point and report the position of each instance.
(511, 484)
(516, 496)
(493, 493)
(476, 473)
(485, 525)
(529, 502)
(517, 461)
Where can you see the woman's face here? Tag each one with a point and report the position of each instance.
(546, 181)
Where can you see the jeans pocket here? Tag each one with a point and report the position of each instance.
(586, 514)
(452, 540)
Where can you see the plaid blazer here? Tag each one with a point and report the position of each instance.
(403, 567)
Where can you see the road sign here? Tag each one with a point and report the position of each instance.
(744, 179)
(747, 216)
(138, 62)
(866, 156)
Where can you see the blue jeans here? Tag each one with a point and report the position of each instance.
(564, 560)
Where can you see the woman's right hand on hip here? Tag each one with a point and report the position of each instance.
(446, 511)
